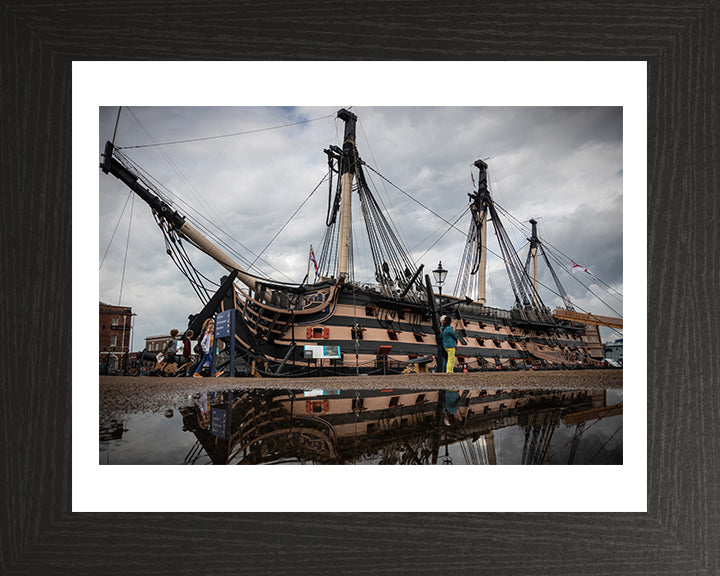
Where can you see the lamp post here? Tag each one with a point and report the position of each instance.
(440, 274)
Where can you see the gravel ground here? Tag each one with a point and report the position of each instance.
(123, 394)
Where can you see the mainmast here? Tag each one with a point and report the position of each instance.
(483, 209)
(347, 173)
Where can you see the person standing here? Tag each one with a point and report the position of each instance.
(170, 348)
(186, 337)
(206, 344)
(449, 340)
(451, 404)
(186, 360)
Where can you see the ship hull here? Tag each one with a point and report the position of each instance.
(376, 334)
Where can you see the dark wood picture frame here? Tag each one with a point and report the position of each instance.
(680, 533)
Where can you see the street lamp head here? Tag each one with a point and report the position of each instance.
(440, 274)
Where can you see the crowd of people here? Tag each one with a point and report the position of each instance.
(178, 356)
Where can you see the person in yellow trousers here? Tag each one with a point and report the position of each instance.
(449, 341)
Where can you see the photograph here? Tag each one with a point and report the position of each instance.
(361, 285)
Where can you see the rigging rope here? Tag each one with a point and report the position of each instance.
(202, 223)
(452, 226)
(388, 212)
(605, 444)
(521, 226)
(178, 255)
(562, 263)
(188, 209)
(175, 168)
(411, 198)
(380, 232)
(229, 135)
(131, 193)
(127, 244)
(289, 220)
(516, 278)
(455, 221)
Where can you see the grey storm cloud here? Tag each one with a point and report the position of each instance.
(561, 166)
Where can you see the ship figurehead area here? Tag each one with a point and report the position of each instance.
(334, 325)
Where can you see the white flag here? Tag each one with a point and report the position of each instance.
(578, 268)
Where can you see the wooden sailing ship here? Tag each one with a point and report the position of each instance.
(335, 325)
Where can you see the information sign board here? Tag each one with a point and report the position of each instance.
(321, 352)
(219, 422)
(223, 323)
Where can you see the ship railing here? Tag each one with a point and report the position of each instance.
(486, 311)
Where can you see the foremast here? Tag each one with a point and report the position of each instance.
(479, 213)
(397, 276)
(348, 164)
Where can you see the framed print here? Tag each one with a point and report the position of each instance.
(40, 533)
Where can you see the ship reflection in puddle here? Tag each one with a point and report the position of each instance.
(374, 427)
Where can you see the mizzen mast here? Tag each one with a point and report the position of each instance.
(474, 261)
(534, 242)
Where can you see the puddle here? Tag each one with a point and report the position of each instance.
(373, 427)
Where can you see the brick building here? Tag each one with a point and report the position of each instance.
(156, 343)
(115, 333)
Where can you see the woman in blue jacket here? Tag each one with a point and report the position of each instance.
(449, 341)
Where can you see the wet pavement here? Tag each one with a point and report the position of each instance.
(144, 393)
(205, 421)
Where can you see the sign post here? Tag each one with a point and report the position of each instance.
(225, 327)
(219, 422)
(221, 419)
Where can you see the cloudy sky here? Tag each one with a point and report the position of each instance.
(561, 166)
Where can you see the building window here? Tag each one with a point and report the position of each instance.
(113, 340)
(115, 320)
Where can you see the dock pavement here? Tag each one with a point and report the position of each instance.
(145, 393)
